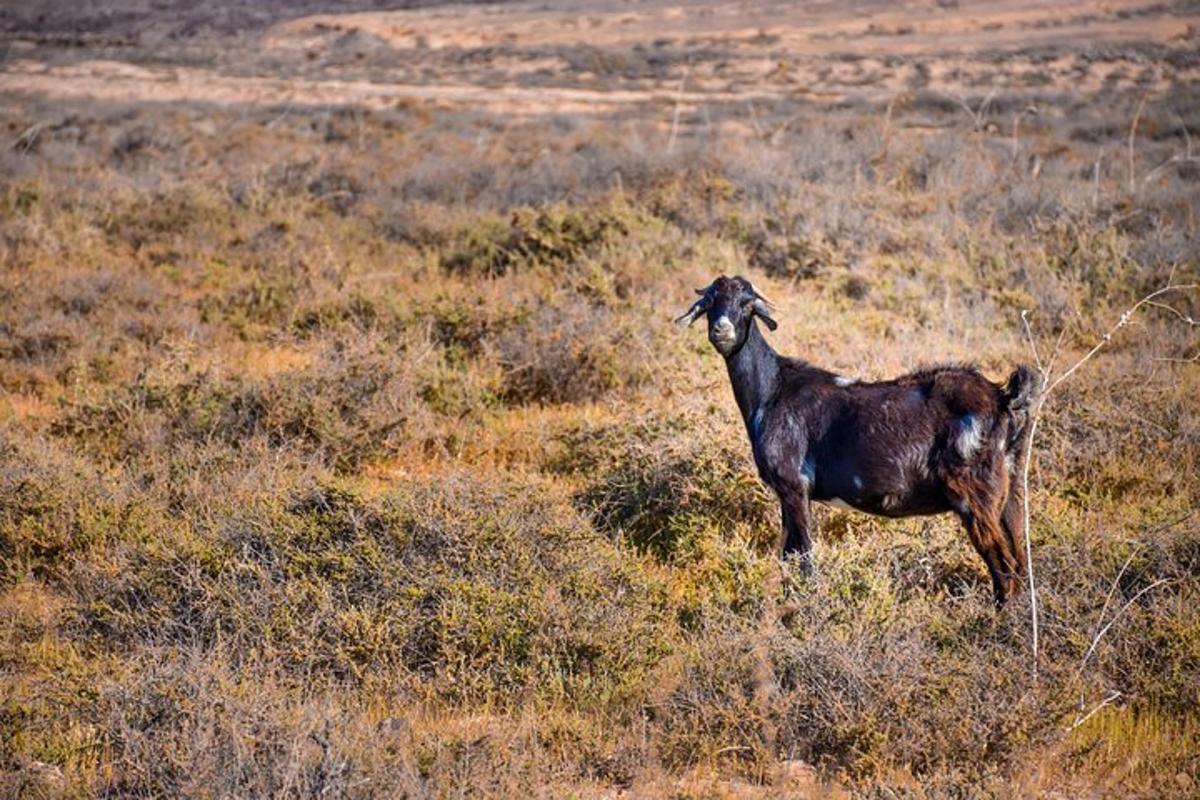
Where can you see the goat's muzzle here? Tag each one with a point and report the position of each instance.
(722, 331)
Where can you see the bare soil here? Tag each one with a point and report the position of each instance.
(582, 57)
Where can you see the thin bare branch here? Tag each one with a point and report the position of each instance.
(1033, 608)
(1132, 134)
(1185, 157)
(1121, 323)
(1175, 159)
(1025, 516)
(1182, 317)
(1191, 360)
(1030, 110)
(976, 114)
(1112, 590)
(1100, 634)
(1032, 342)
(1062, 334)
(678, 106)
(1049, 384)
(1112, 696)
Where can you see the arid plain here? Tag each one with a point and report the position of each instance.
(347, 448)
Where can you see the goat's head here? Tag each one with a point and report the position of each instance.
(731, 305)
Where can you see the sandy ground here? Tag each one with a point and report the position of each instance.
(114, 80)
(811, 28)
(599, 55)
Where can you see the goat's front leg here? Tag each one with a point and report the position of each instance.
(797, 527)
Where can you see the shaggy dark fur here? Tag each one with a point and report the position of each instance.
(942, 439)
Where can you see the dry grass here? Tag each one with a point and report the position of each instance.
(344, 455)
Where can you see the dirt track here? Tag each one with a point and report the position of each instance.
(110, 80)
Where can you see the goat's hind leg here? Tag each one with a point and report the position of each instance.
(980, 490)
(981, 509)
(1013, 521)
(993, 547)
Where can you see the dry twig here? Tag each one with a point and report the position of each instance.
(1050, 382)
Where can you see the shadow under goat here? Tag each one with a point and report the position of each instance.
(943, 439)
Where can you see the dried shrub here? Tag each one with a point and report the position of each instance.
(346, 408)
(353, 453)
(572, 352)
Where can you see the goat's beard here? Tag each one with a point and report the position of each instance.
(726, 347)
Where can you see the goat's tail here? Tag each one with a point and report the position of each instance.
(1020, 394)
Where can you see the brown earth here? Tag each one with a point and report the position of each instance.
(600, 56)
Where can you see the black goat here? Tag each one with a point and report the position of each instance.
(942, 439)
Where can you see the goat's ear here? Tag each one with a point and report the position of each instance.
(762, 310)
(696, 310)
(762, 307)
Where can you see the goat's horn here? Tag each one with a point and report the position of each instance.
(696, 310)
(759, 295)
(702, 292)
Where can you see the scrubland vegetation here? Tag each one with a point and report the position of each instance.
(352, 453)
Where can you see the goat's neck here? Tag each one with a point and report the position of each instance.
(754, 373)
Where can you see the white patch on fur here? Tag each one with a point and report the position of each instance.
(842, 380)
(837, 502)
(912, 459)
(970, 436)
(890, 502)
(807, 473)
(858, 484)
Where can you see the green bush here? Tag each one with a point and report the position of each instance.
(664, 482)
(432, 587)
(555, 237)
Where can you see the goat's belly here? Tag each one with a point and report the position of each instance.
(837, 502)
(889, 505)
(883, 489)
